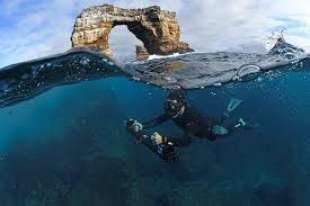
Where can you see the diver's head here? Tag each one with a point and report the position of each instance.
(175, 103)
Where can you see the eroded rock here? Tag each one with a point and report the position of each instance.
(157, 29)
(141, 53)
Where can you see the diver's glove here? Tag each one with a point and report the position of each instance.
(134, 126)
(158, 139)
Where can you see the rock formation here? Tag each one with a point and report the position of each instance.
(141, 53)
(157, 29)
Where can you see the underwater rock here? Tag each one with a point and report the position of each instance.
(157, 29)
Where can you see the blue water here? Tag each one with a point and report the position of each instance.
(69, 146)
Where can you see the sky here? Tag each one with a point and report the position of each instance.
(31, 29)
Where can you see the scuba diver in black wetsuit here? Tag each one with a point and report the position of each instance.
(189, 120)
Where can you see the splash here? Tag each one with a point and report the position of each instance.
(274, 37)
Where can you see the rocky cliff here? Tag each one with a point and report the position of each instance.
(157, 29)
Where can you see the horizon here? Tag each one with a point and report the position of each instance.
(34, 29)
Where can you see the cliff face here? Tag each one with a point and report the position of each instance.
(157, 29)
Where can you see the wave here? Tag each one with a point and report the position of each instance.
(199, 70)
(25, 80)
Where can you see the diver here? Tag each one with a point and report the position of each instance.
(192, 122)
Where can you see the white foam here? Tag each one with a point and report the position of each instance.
(155, 56)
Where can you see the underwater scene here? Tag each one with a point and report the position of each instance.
(69, 146)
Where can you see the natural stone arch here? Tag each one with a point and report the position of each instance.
(123, 44)
(156, 28)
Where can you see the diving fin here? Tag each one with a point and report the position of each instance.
(241, 123)
(233, 104)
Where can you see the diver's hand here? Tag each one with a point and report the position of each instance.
(134, 126)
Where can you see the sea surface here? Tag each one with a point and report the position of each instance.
(68, 147)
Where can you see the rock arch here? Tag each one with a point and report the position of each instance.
(157, 29)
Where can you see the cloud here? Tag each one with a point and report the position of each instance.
(32, 28)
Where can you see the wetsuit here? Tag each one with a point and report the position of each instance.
(190, 121)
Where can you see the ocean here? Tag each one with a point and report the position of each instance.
(69, 147)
